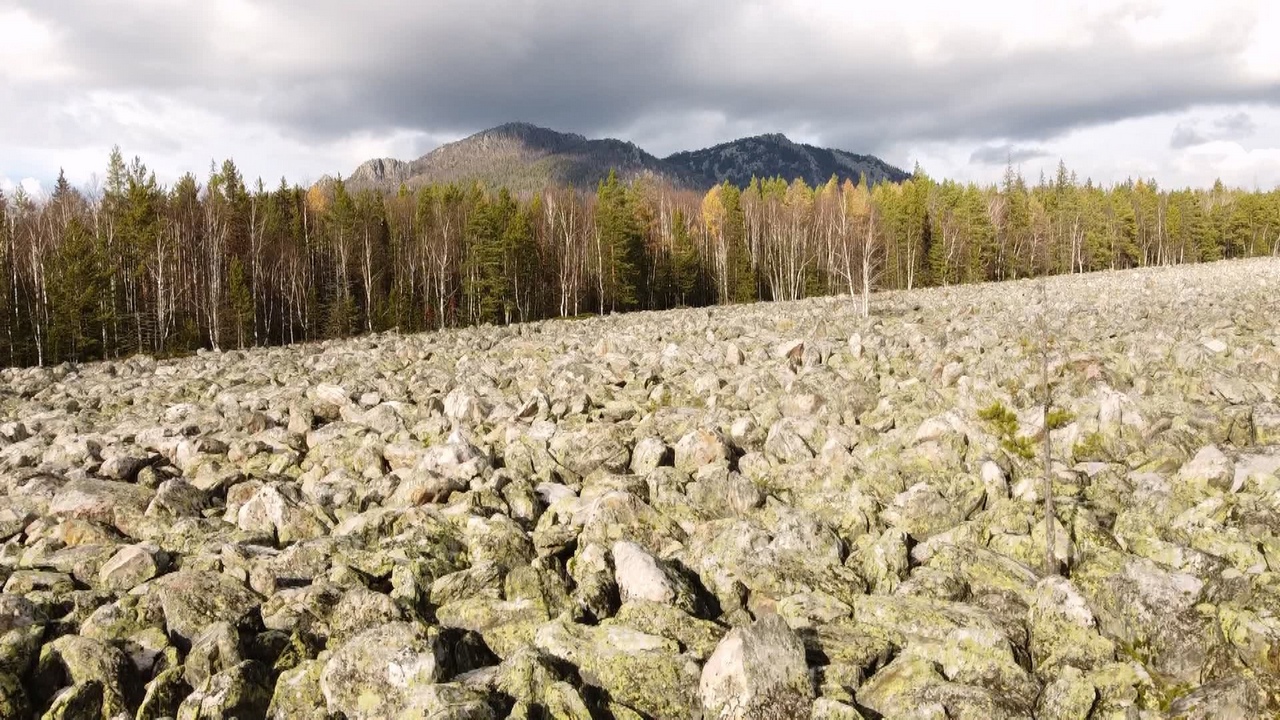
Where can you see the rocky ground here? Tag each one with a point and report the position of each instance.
(768, 511)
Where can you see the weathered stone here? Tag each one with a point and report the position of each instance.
(642, 671)
(649, 454)
(700, 447)
(641, 576)
(382, 672)
(359, 610)
(285, 518)
(192, 600)
(922, 512)
(164, 695)
(696, 636)
(1063, 629)
(215, 650)
(505, 625)
(298, 695)
(131, 566)
(1068, 696)
(757, 669)
(1127, 595)
(242, 691)
(72, 660)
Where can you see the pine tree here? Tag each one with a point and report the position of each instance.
(684, 260)
(75, 288)
(241, 302)
(341, 222)
(741, 281)
(621, 246)
(483, 283)
(519, 268)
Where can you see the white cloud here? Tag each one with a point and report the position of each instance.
(31, 186)
(1131, 149)
(29, 49)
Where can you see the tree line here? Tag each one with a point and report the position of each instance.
(133, 266)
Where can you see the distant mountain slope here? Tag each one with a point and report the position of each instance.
(521, 157)
(775, 155)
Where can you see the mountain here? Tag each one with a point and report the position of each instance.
(521, 157)
(776, 156)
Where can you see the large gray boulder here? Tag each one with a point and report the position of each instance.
(384, 671)
(757, 671)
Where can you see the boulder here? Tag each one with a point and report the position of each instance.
(757, 669)
(384, 671)
(641, 671)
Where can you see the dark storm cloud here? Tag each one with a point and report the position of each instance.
(1001, 154)
(323, 70)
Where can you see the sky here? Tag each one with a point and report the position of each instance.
(1181, 92)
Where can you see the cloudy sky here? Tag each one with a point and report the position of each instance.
(1183, 92)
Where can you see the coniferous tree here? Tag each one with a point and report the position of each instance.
(619, 245)
(75, 286)
(241, 302)
(685, 259)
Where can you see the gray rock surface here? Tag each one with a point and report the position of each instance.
(776, 510)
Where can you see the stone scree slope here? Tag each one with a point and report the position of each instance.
(765, 511)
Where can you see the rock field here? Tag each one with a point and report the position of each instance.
(765, 511)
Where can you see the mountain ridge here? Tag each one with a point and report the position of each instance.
(524, 156)
(776, 155)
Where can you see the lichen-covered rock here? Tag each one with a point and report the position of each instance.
(595, 590)
(696, 636)
(757, 671)
(1149, 609)
(884, 559)
(644, 672)
(382, 672)
(274, 511)
(1063, 629)
(701, 447)
(583, 451)
(1068, 695)
(164, 695)
(216, 649)
(360, 609)
(131, 566)
(106, 501)
(297, 694)
(74, 660)
(16, 613)
(922, 512)
(1240, 696)
(527, 676)
(83, 700)
(912, 687)
(241, 691)
(828, 709)
(505, 625)
(192, 600)
(13, 698)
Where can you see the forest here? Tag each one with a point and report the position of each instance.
(129, 265)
